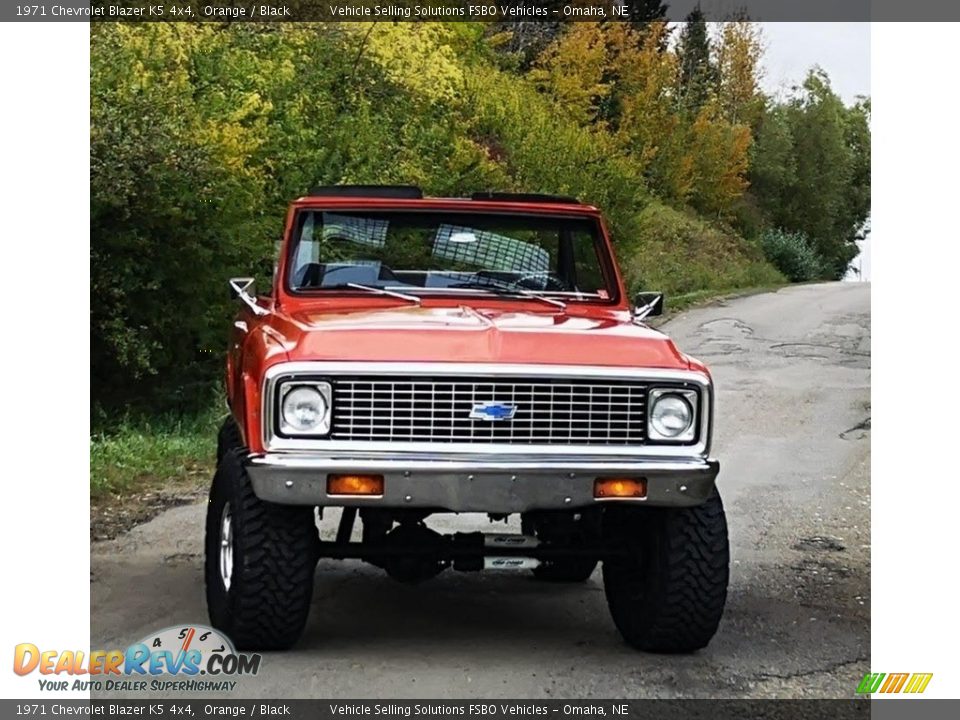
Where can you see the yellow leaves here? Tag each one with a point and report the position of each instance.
(237, 135)
(720, 154)
(499, 39)
(680, 177)
(738, 59)
(232, 142)
(251, 106)
(414, 55)
(156, 64)
(641, 65)
(703, 159)
(572, 68)
(285, 70)
(147, 57)
(645, 80)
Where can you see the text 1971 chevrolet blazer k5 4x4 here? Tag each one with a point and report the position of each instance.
(424, 355)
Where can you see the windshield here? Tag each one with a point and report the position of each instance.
(434, 252)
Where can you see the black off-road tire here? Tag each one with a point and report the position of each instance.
(668, 594)
(228, 438)
(274, 558)
(568, 570)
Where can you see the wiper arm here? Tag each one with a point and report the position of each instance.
(543, 298)
(495, 290)
(507, 288)
(381, 291)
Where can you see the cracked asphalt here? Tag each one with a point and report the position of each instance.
(792, 370)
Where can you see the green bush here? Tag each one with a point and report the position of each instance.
(678, 253)
(792, 254)
(200, 136)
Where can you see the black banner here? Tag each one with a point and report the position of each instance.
(475, 10)
(853, 709)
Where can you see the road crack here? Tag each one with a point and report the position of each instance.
(808, 673)
(863, 426)
(819, 346)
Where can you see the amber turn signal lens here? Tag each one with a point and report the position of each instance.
(620, 488)
(354, 484)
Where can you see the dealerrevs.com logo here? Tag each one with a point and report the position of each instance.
(187, 658)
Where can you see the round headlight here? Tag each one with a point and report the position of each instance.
(304, 409)
(671, 416)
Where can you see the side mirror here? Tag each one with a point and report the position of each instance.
(648, 304)
(244, 290)
(242, 286)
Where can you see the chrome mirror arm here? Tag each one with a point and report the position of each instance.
(641, 312)
(240, 286)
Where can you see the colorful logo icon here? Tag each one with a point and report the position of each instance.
(894, 683)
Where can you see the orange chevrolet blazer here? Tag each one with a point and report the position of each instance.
(419, 355)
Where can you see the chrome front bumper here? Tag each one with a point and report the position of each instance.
(489, 483)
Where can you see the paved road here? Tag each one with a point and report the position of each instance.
(793, 417)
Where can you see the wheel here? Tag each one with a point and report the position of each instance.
(228, 438)
(667, 595)
(260, 560)
(568, 570)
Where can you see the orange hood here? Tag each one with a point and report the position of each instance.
(579, 335)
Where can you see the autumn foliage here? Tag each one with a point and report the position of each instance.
(201, 133)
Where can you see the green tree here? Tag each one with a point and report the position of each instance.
(522, 41)
(698, 76)
(169, 193)
(773, 167)
(857, 134)
(824, 171)
(811, 169)
(200, 135)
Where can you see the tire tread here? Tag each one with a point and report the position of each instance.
(272, 585)
(673, 601)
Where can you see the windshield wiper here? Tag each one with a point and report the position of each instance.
(539, 296)
(381, 291)
(504, 289)
(509, 288)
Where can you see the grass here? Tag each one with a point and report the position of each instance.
(679, 303)
(139, 455)
(683, 256)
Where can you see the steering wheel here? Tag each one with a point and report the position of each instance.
(550, 281)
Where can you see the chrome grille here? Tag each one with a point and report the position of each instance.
(437, 409)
